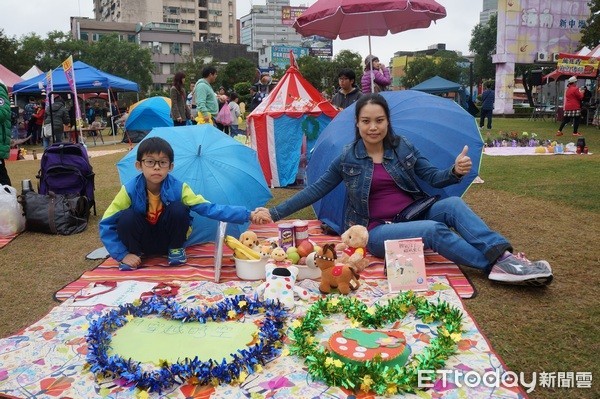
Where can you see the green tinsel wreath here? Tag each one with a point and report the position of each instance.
(373, 375)
(311, 132)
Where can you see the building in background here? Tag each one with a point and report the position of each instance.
(402, 59)
(268, 27)
(208, 20)
(168, 44)
(490, 7)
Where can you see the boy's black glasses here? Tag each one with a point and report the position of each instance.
(150, 163)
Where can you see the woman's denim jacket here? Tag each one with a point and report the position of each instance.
(355, 168)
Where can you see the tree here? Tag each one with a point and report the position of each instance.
(483, 45)
(124, 59)
(315, 70)
(590, 34)
(8, 52)
(419, 70)
(237, 70)
(347, 59)
(192, 65)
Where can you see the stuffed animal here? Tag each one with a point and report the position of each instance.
(334, 274)
(266, 248)
(250, 239)
(279, 258)
(353, 247)
(280, 285)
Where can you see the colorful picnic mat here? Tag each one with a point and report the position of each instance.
(47, 359)
(200, 265)
(6, 239)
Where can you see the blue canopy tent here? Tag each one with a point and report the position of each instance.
(87, 78)
(439, 85)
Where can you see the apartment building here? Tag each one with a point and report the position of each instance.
(208, 20)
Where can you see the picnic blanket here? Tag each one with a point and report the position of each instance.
(4, 241)
(200, 265)
(48, 357)
(510, 151)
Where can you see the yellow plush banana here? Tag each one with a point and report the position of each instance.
(241, 251)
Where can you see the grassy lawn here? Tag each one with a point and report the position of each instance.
(547, 206)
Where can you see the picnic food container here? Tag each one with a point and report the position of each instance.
(250, 269)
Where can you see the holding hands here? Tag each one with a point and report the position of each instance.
(260, 216)
(463, 164)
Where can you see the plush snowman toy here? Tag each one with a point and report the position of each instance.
(280, 285)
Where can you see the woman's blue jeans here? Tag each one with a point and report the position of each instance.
(451, 229)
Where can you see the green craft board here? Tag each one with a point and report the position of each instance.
(152, 339)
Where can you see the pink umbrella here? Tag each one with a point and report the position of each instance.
(353, 18)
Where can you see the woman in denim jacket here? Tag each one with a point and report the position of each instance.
(379, 170)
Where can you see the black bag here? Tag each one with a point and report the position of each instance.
(415, 210)
(63, 214)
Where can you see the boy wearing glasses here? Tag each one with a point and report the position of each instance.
(348, 92)
(150, 215)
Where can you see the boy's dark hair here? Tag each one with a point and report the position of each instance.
(347, 73)
(233, 96)
(155, 145)
(208, 70)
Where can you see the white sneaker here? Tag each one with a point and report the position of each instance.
(516, 269)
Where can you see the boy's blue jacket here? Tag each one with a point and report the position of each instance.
(133, 195)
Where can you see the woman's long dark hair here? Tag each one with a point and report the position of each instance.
(390, 140)
(178, 82)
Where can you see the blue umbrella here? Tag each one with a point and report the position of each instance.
(437, 126)
(149, 113)
(216, 166)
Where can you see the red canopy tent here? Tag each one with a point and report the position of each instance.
(286, 124)
(9, 77)
(582, 66)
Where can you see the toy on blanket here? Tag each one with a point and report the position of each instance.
(266, 248)
(280, 285)
(353, 246)
(279, 258)
(240, 251)
(250, 239)
(334, 274)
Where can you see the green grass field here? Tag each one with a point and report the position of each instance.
(548, 206)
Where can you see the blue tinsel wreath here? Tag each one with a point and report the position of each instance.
(204, 372)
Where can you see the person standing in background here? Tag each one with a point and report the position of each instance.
(487, 106)
(58, 116)
(38, 119)
(180, 113)
(90, 114)
(206, 98)
(234, 107)
(376, 72)
(572, 107)
(348, 92)
(28, 112)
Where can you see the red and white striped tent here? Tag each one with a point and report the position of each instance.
(285, 125)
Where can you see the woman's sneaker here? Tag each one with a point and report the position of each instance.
(517, 269)
(177, 257)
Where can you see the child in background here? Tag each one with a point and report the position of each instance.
(234, 107)
(150, 215)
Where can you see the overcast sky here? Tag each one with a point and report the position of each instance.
(42, 16)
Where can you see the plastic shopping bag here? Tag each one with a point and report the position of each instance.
(12, 219)
(224, 116)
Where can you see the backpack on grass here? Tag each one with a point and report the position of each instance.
(65, 169)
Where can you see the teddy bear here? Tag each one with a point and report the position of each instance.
(280, 285)
(353, 247)
(250, 239)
